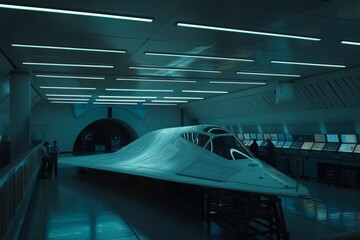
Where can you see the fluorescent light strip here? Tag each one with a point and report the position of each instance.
(68, 88)
(160, 104)
(176, 69)
(269, 74)
(202, 91)
(67, 48)
(181, 24)
(68, 102)
(68, 99)
(309, 64)
(144, 97)
(155, 80)
(119, 100)
(117, 103)
(137, 90)
(68, 65)
(351, 43)
(198, 56)
(67, 95)
(185, 98)
(66, 76)
(244, 83)
(169, 101)
(78, 13)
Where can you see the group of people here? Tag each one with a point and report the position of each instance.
(49, 159)
(270, 151)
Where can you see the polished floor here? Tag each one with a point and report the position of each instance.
(101, 205)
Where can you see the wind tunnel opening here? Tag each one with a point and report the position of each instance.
(103, 136)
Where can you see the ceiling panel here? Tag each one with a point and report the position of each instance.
(331, 21)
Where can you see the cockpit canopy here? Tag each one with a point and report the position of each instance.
(220, 142)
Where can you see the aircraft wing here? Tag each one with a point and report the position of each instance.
(165, 154)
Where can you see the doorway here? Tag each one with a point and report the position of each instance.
(103, 136)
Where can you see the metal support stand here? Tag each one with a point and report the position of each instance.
(246, 215)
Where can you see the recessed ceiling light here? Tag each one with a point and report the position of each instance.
(176, 69)
(244, 83)
(68, 48)
(181, 24)
(143, 97)
(67, 95)
(198, 56)
(269, 74)
(116, 103)
(68, 102)
(119, 100)
(351, 43)
(202, 91)
(68, 88)
(169, 101)
(68, 99)
(160, 104)
(137, 90)
(186, 98)
(309, 64)
(68, 65)
(155, 80)
(78, 13)
(70, 77)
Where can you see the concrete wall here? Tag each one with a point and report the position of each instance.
(60, 122)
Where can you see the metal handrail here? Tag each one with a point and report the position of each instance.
(17, 182)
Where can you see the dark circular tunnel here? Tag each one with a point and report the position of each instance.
(104, 135)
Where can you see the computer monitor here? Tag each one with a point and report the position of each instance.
(332, 138)
(266, 136)
(281, 137)
(246, 135)
(357, 148)
(288, 137)
(320, 138)
(253, 136)
(246, 141)
(259, 142)
(347, 147)
(287, 144)
(298, 138)
(309, 138)
(296, 145)
(348, 138)
(240, 136)
(318, 146)
(307, 145)
(331, 146)
(264, 143)
(260, 136)
(274, 137)
(280, 144)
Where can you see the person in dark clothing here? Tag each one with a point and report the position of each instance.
(44, 155)
(53, 159)
(270, 153)
(254, 148)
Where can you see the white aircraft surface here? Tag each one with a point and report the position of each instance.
(201, 155)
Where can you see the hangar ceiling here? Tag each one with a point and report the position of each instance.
(169, 54)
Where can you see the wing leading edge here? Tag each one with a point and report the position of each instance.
(191, 155)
